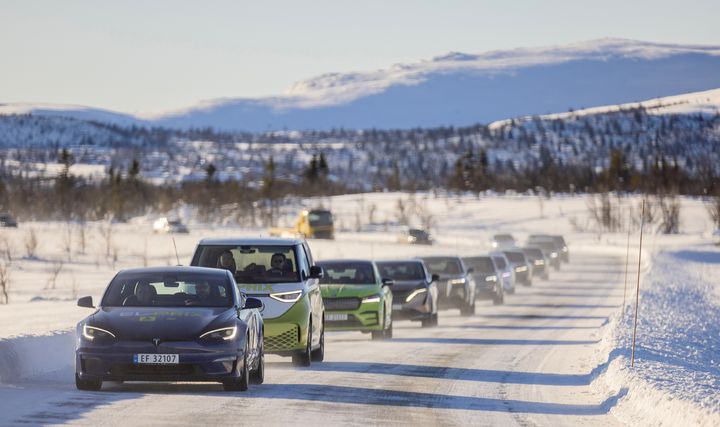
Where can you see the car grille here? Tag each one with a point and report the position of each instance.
(287, 339)
(149, 370)
(352, 322)
(341, 303)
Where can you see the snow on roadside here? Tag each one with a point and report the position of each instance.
(676, 378)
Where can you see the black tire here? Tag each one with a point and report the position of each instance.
(435, 319)
(87, 384)
(377, 335)
(498, 299)
(427, 322)
(318, 355)
(304, 358)
(468, 311)
(388, 333)
(243, 381)
(258, 375)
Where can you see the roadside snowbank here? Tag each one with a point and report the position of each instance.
(676, 378)
(27, 356)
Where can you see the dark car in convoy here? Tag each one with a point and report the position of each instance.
(7, 220)
(171, 324)
(488, 284)
(505, 271)
(536, 257)
(502, 241)
(456, 285)
(549, 250)
(415, 236)
(523, 269)
(415, 292)
(559, 241)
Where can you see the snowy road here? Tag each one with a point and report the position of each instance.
(528, 362)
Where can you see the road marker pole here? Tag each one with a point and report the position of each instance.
(637, 288)
(627, 260)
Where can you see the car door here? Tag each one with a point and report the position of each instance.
(249, 318)
(313, 289)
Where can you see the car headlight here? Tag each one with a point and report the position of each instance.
(372, 298)
(564, 248)
(291, 296)
(521, 268)
(411, 238)
(553, 255)
(415, 293)
(539, 262)
(494, 244)
(456, 282)
(221, 334)
(92, 332)
(492, 278)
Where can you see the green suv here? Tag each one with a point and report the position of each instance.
(356, 297)
(280, 273)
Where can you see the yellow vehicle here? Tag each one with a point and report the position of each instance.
(312, 224)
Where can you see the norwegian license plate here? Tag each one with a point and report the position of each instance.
(156, 359)
(335, 317)
(397, 306)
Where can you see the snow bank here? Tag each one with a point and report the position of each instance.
(28, 356)
(676, 378)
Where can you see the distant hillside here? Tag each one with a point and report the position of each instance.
(455, 89)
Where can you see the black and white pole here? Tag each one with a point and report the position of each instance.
(637, 288)
(627, 261)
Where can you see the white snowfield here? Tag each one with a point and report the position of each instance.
(556, 353)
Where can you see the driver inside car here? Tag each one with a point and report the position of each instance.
(277, 264)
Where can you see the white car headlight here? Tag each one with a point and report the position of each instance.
(492, 278)
(521, 268)
(554, 255)
(222, 333)
(539, 262)
(291, 296)
(456, 282)
(415, 293)
(92, 332)
(372, 298)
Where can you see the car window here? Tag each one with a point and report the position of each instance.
(303, 262)
(443, 266)
(351, 273)
(164, 289)
(401, 270)
(252, 263)
(480, 263)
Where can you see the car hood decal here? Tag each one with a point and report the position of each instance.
(166, 323)
(345, 290)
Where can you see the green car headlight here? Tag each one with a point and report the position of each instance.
(415, 293)
(373, 298)
(222, 333)
(92, 332)
(291, 296)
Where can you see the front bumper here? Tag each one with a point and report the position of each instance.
(366, 318)
(197, 362)
(488, 290)
(418, 308)
(288, 333)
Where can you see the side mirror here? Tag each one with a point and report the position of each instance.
(316, 272)
(388, 282)
(86, 302)
(434, 278)
(471, 270)
(252, 303)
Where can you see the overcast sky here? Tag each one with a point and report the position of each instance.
(150, 56)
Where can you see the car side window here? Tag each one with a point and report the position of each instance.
(303, 263)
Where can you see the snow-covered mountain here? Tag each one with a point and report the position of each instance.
(457, 89)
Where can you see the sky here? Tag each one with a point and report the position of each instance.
(152, 56)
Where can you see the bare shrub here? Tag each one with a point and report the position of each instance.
(713, 208)
(670, 214)
(6, 247)
(67, 242)
(31, 243)
(605, 212)
(401, 212)
(106, 232)
(57, 266)
(4, 282)
(82, 237)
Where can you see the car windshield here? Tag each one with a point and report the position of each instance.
(320, 218)
(516, 257)
(347, 273)
(504, 237)
(419, 234)
(401, 270)
(168, 289)
(251, 263)
(443, 265)
(500, 261)
(480, 264)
